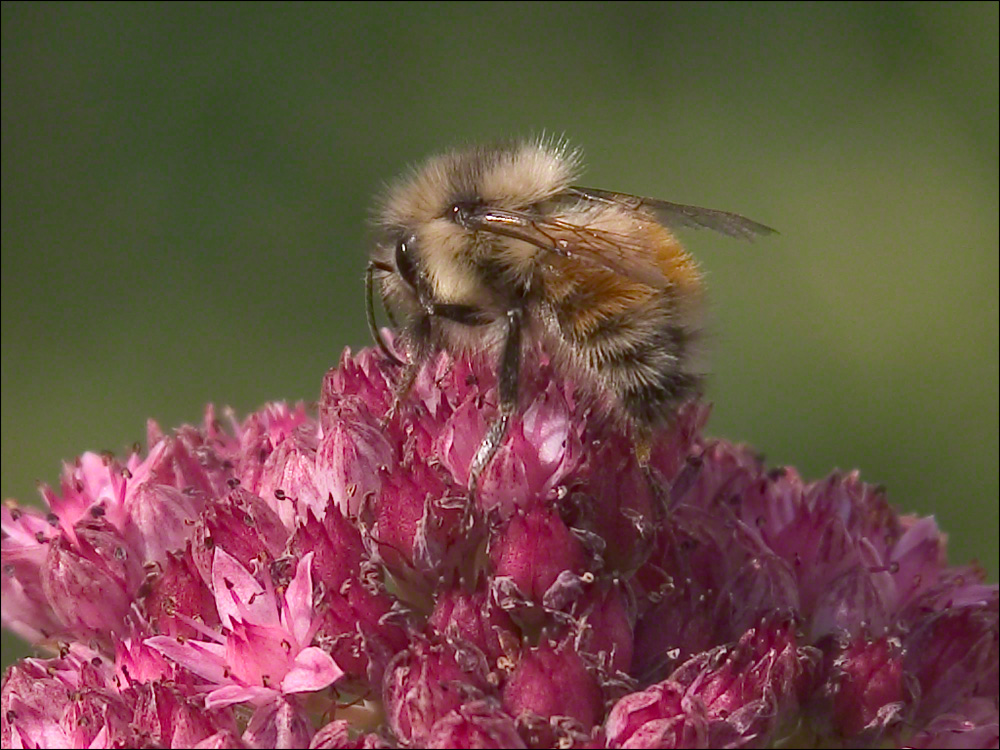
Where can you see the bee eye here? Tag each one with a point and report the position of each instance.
(405, 264)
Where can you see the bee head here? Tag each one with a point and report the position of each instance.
(425, 232)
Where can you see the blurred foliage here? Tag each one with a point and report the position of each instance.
(186, 188)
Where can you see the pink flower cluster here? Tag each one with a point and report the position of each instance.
(328, 581)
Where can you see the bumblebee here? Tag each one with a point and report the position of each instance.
(495, 247)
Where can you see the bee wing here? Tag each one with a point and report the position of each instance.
(613, 250)
(676, 215)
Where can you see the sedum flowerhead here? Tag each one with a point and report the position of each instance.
(323, 578)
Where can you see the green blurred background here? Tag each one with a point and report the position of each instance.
(186, 189)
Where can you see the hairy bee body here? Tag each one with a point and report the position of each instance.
(623, 338)
(487, 248)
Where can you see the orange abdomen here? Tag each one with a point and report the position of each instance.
(626, 337)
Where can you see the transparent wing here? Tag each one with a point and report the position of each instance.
(615, 251)
(677, 215)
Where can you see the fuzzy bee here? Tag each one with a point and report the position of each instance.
(495, 247)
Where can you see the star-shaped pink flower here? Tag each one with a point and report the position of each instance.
(263, 652)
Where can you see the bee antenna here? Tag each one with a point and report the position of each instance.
(370, 314)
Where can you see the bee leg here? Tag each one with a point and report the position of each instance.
(402, 388)
(370, 311)
(418, 340)
(643, 446)
(510, 369)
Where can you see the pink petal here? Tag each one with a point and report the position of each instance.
(204, 659)
(298, 612)
(258, 652)
(238, 596)
(101, 738)
(230, 694)
(278, 724)
(458, 441)
(314, 669)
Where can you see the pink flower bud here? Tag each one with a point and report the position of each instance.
(240, 523)
(552, 680)
(672, 447)
(869, 689)
(477, 618)
(533, 549)
(354, 625)
(541, 449)
(367, 376)
(336, 543)
(972, 724)
(351, 452)
(91, 583)
(613, 501)
(460, 436)
(606, 618)
(337, 735)
(419, 526)
(25, 547)
(480, 724)
(31, 704)
(68, 702)
(654, 718)
(426, 682)
(164, 717)
(728, 697)
(163, 517)
(96, 717)
(287, 480)
(176, 593)
(94, 481)
(183, 462)
(954, 656)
